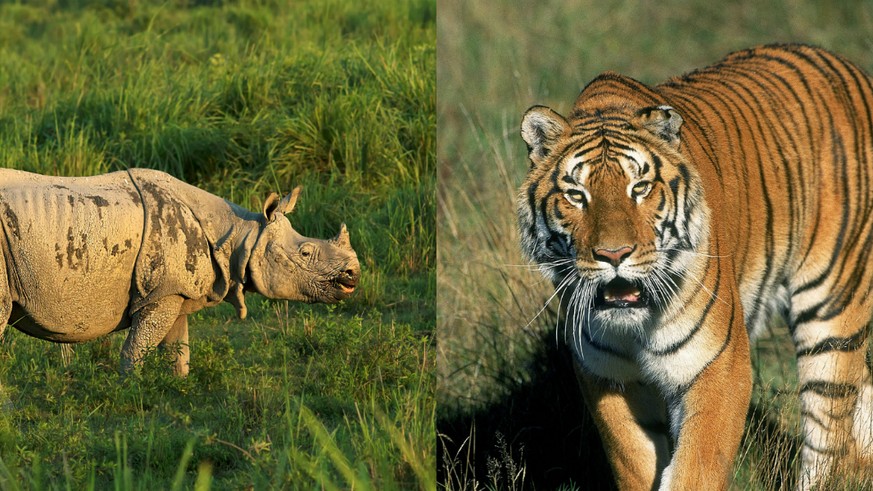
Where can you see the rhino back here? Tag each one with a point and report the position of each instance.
(72, 245)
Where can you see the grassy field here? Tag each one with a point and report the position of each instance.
(240, 98)
(509, 413)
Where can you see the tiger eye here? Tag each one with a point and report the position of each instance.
(575, 197)
(641, 189)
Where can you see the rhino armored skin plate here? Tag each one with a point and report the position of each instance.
(81, 257)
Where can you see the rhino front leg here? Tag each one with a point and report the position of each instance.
(149, 326)
(176, 341)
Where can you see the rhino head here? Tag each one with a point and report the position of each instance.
(287, 265)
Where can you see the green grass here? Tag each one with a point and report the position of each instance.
(499, 371)
(240, 98)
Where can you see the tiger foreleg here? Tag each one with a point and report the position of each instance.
(632, 421)
(708, 418)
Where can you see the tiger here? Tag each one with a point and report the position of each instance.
(675, 221)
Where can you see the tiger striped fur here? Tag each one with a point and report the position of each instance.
(675, 220)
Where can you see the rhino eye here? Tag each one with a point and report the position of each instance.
(306, 250)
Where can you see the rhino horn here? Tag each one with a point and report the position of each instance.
(342, 238)
(275, 207)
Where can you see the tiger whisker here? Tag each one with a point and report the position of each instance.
(585, 307)
(579, 294)
(707, 290)
(534, 266)
(567, 279)
(689, 251)
(651, 284)
(665, 283)
(569, 306)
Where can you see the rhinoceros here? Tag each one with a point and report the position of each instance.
(81, 257)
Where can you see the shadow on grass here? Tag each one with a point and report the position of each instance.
(537, 437)
(540, 436)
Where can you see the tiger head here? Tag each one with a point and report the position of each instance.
(611, 210)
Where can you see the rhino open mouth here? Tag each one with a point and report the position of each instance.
(621, 294)
(346, 286)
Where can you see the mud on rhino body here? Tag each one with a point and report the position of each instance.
(85, 256)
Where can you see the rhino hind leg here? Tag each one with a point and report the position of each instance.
(176, 342)
(149, 326)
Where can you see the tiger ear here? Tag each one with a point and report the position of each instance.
(541, 129)
(662, 121)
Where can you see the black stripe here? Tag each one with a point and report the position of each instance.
(685, 235)
(837, 144)
(753, 105)
(656, 161)
(806, 315)
(727, 340)
(776, 100)
(838, 452)
(808, 415)
(657, 427)
(831, 390)
(689, 106)
(604, 348)
(838, 155)
(674, 186)
(755, 102)
(802, 79)
(782, 86)
(851, 343)
(662, 201)
(698, 325)
(531, 203)
(733, 133)
(851, 284)
(735, 111)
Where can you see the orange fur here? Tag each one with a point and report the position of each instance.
(675, 220)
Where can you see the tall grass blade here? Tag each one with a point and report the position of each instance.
(179, 478)
(329, 447)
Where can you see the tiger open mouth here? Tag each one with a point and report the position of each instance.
(621, 294)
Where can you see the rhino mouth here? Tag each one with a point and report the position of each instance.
(345, 285)
(347, 289)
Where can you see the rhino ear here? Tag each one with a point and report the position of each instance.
(662, 121)
(275, 207)
(542, 129)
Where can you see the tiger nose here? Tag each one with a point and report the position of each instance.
(613, 256)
